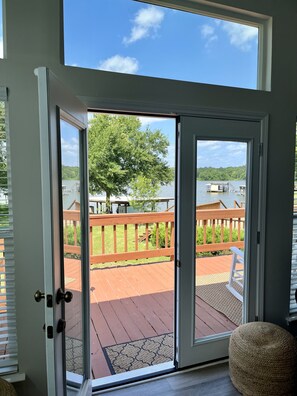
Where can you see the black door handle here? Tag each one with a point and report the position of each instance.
(39, 295)
(66, 296)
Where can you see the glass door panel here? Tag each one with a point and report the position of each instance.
(72, 260)
(221, 180)
(217, 223)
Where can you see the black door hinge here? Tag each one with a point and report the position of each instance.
(49, 301)
(258, 238)
(50, 332)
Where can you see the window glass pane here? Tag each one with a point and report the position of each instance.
(1, 31)
(72, 252)
(137, 38)
(220, 236)
(8, 336)
(293, 302)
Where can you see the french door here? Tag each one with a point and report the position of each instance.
(202, 328)
(203, 335)
(63, 119)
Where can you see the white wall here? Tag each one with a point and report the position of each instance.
(33, 29)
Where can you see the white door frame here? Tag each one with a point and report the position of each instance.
(216, 127)
(56, 102)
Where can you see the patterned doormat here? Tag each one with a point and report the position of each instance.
(74, 355)
(222, 300)
(138, 354)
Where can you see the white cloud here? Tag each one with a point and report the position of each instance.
(236, 148)
(207, 30)
(70, 151)
(240, 36)
(150, 120)
(1, 47)
(208, 33)
(210, 144)
(121, 64)
(146, 23)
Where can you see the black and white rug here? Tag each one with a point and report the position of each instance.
(138, 354)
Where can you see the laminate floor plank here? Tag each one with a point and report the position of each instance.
(211, 381)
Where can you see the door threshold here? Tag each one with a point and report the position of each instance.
(155, 375)
(132, 377)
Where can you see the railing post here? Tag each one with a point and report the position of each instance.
(172, 238)
(91, 240)
(103, 239)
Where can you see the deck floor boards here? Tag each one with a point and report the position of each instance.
(135, 302)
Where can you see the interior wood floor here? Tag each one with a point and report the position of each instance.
(210, 381)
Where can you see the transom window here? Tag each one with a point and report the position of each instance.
(134, 37)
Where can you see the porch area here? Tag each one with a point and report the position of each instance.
(136, 302)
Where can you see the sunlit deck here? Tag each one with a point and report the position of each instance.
(136, 302)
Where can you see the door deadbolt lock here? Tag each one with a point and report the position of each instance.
(61, 295)
(61, 325)
(39, 295)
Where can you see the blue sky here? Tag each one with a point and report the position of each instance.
(132, 37)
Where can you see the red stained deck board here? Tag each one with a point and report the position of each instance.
(208, 317)
(150, 315)
(135, 302)
(101, 325)
(158, 277)
(213, 265)
(114, 324)
(221, 318)
(98, 362)
(126, 319)
(201, 328)
(160, 312)
(139, 319)
(166, 301)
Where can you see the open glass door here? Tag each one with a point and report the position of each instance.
(217, 241)
(63, 120)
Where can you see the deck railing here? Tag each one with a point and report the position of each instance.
(121, 237)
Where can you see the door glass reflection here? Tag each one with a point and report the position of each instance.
(72, 264)
(221, 185)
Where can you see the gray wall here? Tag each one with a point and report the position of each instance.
(33, 39)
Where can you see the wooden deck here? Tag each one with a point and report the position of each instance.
(135, 302)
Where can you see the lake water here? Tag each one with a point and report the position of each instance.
(70, 193)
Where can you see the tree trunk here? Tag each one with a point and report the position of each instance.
(108, 203)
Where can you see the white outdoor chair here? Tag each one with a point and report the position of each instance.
(236, 274)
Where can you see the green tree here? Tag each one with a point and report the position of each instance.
(143, 191)
(70, 172)
(120, 152)
(222, 174)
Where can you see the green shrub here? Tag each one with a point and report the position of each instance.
(4, 216)
(69, 230)
(153, 236)
(199, 235)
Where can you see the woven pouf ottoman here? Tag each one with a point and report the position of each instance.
(263, 360)
(6, 389)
